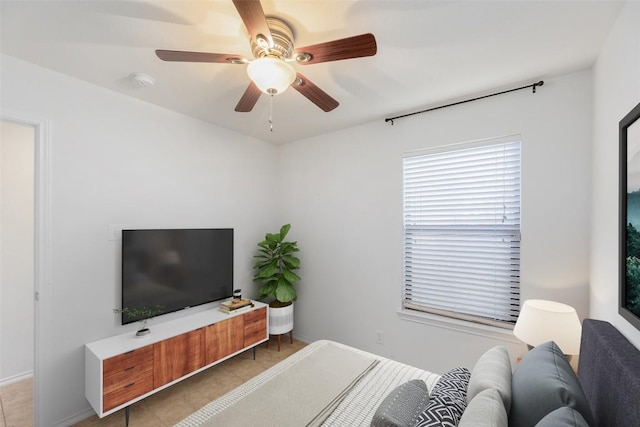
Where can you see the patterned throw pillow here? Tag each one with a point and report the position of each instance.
(448, 400)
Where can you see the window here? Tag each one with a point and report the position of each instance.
(462, 231)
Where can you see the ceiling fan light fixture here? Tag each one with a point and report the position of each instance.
(271, 74)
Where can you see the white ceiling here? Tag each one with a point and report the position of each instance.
(428, 52)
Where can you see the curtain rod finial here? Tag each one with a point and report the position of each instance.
(540, 83)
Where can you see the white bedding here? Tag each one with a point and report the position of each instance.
(356, 408)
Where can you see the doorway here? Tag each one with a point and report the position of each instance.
(17, 271)
(41, 270)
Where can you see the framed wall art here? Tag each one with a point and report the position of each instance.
(629, 251)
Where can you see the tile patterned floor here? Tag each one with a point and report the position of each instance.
(169, 406)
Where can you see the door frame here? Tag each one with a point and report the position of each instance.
(43, 312)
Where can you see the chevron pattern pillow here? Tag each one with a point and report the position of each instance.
(448, 400)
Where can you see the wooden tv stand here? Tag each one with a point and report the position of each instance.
(124, 369)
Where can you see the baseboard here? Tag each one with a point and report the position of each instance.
(16, 378)
(303, 338)
(74, 419)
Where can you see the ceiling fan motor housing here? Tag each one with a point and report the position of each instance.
(282, 36)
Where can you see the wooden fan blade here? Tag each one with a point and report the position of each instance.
(182, 56)
(313, 93)
(253, 17)
(249, 99)
(351, 47)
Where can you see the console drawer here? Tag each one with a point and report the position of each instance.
(128, 392)
(255, 326)
(120, 379)
(127, 376)
(125, 361)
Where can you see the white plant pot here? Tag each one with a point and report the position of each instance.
(280, 320)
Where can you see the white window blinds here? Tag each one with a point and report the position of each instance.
(462, 231)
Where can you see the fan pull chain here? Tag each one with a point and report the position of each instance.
(271, 113)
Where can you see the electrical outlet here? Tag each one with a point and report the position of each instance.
(379, 336)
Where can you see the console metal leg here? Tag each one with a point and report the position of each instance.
(126, 415)
(254, 353)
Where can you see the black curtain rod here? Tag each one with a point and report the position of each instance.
(533, 86)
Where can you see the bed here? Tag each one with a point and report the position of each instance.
(331, 384)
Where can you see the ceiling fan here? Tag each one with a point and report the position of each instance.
(273, 49)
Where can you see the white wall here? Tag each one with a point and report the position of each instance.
(115, 160)
(344, 200)
(16, 251)
(616, 92)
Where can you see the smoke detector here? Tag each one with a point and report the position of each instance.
(142, 80)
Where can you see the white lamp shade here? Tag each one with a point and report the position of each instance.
(271, 75)
(541, 321)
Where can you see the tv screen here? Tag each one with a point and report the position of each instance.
(174, 269)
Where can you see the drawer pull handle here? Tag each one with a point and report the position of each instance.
(130, 368)
(129, 385)
(130, 352)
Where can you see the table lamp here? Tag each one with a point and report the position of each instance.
(541, 321)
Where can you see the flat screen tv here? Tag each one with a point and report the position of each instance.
(174, 269)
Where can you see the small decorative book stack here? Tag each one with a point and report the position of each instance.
(236, 305)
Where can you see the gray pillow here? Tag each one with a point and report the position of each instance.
(486, 409)
(402, 406)
(543, 382)
(492, 371)
(563, 417)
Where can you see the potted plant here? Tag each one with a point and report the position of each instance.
(274, 270)
(142, 315)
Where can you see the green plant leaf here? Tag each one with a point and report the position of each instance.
(269, 289)
(269, 270)
(285, 292)
(285, 248)
(290, 275)
(284, 230)
(272, 238)
(260, 264)
(291, 262)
